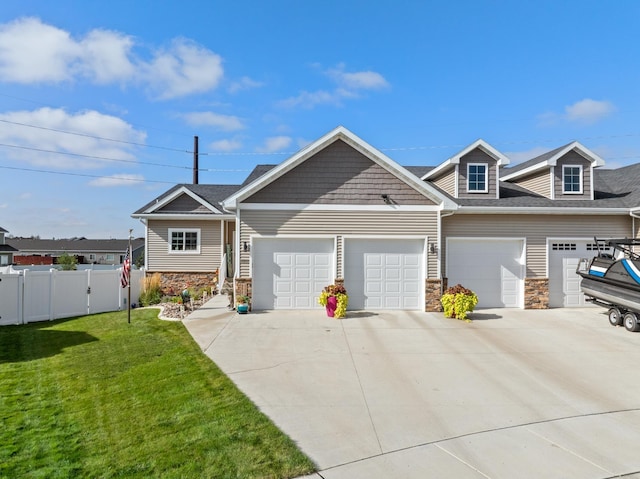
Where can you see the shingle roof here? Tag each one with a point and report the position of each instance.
(212, 194)
(419, 171)
(257, 172)
(533, 161)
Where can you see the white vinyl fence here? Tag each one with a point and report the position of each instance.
(29, 296)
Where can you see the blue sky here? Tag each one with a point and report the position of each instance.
(256, 81)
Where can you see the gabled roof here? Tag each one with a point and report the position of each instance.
(2, 230)
(455, 159)
(550, 159)
(209, 196)
(339, 133)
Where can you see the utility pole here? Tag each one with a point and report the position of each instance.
(195, 160)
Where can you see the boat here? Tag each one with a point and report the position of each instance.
(612, 279)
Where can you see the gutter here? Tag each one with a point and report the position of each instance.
(178, 216)
(532, 210)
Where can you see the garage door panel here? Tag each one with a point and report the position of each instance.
(384, 273)
(290, 274)
(564, 283)
(490, 268)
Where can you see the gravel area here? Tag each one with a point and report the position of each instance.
(178, 311)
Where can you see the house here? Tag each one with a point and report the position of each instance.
(6, 251)
(88, 251)
(341, 210)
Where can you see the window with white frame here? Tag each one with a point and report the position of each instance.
(477, 180)
(184, 241)
(572, 179)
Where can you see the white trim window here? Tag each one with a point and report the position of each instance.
(572, 179)
(478, 178)
(184, 241)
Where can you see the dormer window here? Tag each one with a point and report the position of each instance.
(572, 179)
(477, 181)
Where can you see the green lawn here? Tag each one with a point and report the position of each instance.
(97, 397)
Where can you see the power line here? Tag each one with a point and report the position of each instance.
(85, 175)
(90, 156)
(117, 159)
(96, 137)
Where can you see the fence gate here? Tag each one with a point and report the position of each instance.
(32, 296)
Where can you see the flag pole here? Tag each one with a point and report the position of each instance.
(129, 282)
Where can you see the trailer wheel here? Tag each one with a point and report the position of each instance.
(615, 317)
(631, 322)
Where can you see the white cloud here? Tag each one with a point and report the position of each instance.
(275, 143)
(348, 85)
(364, 80)
(47, 133)
(105, 57)
(215, 120)
(34, 52)
(121, 179)
(183, 69)
(588, 111)
(226, 145)
(245, 83)
(312, 99)
(585, 111)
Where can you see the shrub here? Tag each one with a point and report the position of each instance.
(340, 293)
(151, 290)
(457, 301)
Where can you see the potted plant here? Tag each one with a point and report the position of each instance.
(242, 304)
(457, 301)
(335, 300)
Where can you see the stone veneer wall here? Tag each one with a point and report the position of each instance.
(536, 293)
(173, 284)
(243, 287)
(433, 292)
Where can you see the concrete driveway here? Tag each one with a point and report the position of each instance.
(526, 394)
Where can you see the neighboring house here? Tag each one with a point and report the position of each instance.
(88, 251)
(341, 210)
(6, 251)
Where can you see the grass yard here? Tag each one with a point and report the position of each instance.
(97, 397)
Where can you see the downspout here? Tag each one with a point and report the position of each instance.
(634, 216)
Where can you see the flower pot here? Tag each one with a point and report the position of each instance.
(242, 308)
(332, 304)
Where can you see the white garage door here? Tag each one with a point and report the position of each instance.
(564, 283)
(384, 273)
(492, 268)
(291, 273)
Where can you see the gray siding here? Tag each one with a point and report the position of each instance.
(535, 229)
(572, 158)
(158, 255)
(539, 183)
(477, 156)
(338, 175)
(447, 182)
(184, 204)
(338, 223)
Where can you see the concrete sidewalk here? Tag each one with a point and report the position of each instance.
(525, 394)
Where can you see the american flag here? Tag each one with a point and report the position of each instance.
(126, 270)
